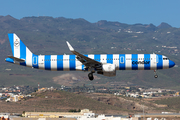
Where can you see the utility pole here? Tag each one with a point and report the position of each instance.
(143, 111)
(38, 86)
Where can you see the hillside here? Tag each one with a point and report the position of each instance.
(47, 35)
(172, 103)
(58, 101)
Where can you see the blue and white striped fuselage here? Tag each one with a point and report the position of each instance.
(121, 61)
(105, 64)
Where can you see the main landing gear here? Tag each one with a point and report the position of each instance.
(155, 74)
(91, 77)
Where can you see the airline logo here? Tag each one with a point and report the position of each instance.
(16, 43)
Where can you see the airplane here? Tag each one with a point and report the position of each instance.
(105, 64)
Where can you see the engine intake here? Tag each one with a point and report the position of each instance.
(109, 69)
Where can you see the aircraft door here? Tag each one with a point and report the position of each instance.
(41, 61)
(122, 59)
(153, 61)
(35, 60)
(157, 59)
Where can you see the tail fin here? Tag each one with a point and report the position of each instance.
(20, 52)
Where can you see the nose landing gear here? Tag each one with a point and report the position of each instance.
(91, 77)
(155, 74)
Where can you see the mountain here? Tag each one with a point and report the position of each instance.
(164, 25)
(48, 35)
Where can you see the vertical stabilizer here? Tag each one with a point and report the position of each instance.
(19, 49)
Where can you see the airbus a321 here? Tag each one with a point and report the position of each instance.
(105, 64)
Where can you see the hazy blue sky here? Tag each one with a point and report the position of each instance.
(124, 11)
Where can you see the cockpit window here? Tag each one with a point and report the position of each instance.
(165, 58)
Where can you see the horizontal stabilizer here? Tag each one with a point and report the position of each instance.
(17, 59)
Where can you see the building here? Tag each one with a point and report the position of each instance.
(83, 112)
(103, 117)
(160, 116)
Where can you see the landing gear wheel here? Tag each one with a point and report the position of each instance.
(90, 75)
(156, 76)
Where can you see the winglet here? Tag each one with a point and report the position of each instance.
(70, 47)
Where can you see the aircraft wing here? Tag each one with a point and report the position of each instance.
(88, 62)
(17, 59)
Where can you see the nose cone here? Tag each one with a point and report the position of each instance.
(171, 64)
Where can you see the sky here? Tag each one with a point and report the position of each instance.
(123, 11)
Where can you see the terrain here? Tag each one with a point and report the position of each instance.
(47, 35)
(58, 101)
(100, 103)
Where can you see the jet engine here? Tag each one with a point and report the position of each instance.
(109, 69)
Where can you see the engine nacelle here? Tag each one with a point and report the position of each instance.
(109, 69)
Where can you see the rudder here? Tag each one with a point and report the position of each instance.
(17, 46)
(19, 49)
